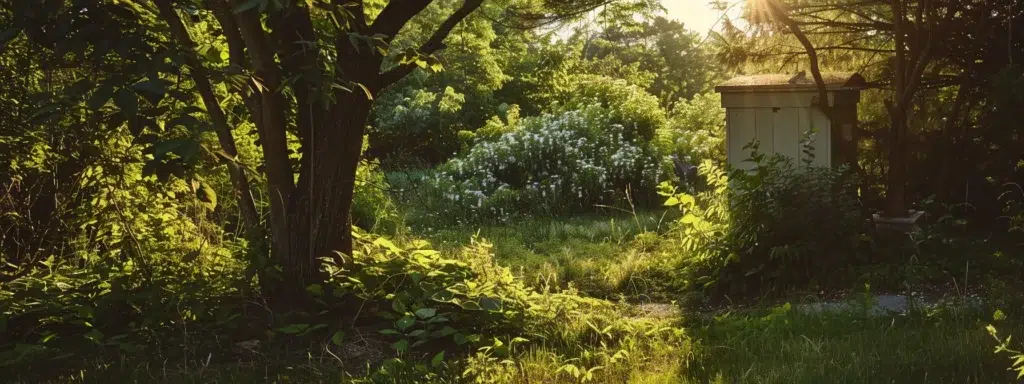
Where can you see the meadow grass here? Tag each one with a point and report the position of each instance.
(605, 256)
(601, 255)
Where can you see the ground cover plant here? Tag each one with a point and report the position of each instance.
(503, 191)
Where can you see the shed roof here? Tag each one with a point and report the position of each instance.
(834, 81)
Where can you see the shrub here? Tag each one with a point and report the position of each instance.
(777, 227)
(696, 130)
(552, 164)
(431, 303)
(416, 125)
(372, 208)
(628, 105)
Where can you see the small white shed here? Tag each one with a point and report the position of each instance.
(776, 110)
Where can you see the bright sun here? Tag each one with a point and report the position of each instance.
(696, 15)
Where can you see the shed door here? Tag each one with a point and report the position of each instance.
(777, 130)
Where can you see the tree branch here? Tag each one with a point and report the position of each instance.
(201, 77)
(434, 44)
(812, 55)
(395, 15)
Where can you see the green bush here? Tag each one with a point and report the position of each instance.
(696, 130)
(552, 164)
(776, 228)
(373, 209)
(628, 105)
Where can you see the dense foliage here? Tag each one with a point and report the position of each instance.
(776, 228)
(496, 191)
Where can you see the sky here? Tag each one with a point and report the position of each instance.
(696, 15)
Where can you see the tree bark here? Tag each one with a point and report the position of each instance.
(310, 218)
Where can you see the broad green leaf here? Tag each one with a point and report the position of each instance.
(152, 90)
(405, 322)
(127, 101)
(437, 360)
(398, 306)
(338, 337)
(401, 345)
(490, 304)
(101, 96)
(426, 313)
(292, 329)
(208, 197)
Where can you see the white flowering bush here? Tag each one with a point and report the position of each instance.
(551, 164)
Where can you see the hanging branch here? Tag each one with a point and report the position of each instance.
(778, 13)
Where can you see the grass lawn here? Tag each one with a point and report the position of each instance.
(602, 255)
(781, 345)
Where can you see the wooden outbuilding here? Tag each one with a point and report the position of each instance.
(776, 111)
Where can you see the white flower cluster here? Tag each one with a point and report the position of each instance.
(551, 164)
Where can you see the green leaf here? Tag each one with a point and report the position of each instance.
(490, 304)
(152, 90)
(127, 101)
(292, 329)
(426, 313)
(207, 196)
(187, 121)
(437, 360)
(672, 201)
(338, 337)
(401, 345)
(389, 332)
(998, 315)
(43, 112)
(315, 289)
(405, 322)
(101, 96)
(398, 306)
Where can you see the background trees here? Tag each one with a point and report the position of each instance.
(914, 51)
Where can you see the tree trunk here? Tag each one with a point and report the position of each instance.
(320, 210)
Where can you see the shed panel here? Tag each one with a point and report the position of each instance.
(742, 123)
(787, 132)
(814, 119)
(765, 130)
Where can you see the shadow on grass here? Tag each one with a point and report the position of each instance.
(787, 345)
